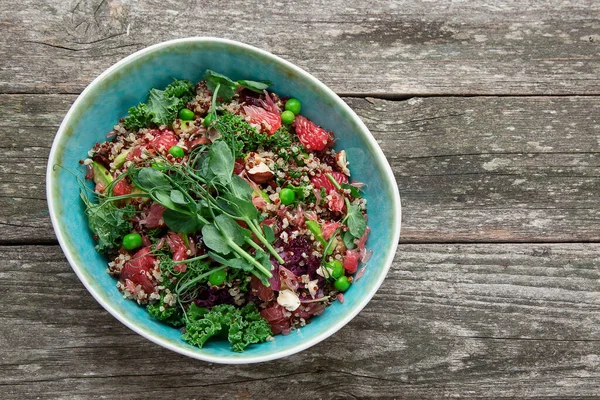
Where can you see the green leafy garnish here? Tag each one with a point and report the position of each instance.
(149, 179)
(243, 138)
(180, 222)
(171, 315)
(348, 239)
(139, 117)
(218, 82)
(240, 188)
(195, 313)
(224, 89)
(355, 220)
(228, 86)
(269, 234)
(354, 191)
(242, 326)
(109, 222)
(220, 199)
(354, 217)
(221, 162)
(255, 86)
(162, 106)
(221, 236)
(225, 236)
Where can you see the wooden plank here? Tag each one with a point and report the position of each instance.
(401, 47)
(492, 168)
(27, 133)
(487, 169)
(472, 320)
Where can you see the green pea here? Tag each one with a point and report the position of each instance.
(287, 196)
(293, 105)
(342, 284)
(208, 120)
(287, 117)
(336, 268)
(217, 277)
(132, 241)
(186, 115)
(176, 151)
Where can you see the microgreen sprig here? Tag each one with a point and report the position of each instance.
(354, 219)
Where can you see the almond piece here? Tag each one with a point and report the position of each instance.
(261, 173)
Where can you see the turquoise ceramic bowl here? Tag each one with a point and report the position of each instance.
(125, 84)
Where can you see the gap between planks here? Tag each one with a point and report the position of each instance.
(54, 242)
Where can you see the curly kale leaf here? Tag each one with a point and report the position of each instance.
(242, 326)
(182, 89)
(212, 323)
(171, 315)
(243, 138)
(139, 117)
(162, 106)
(250, 329)
(109, 222)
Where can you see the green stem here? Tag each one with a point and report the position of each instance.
(176, 208)
(249, 258)
(197, 279)
(184, 192)
(197, 177)
(196, 153)
(347, 208)
(333, 181)
(256, 230)
(189, 260)
(214, 98)
(251, 243)
(202, 219)
(182, 309)
(105, 198)
(326, 252)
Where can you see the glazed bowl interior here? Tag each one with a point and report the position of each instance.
(127, 83)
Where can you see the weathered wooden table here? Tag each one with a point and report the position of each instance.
(489, 113)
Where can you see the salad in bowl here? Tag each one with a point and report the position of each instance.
(219, 205)
(225, 212)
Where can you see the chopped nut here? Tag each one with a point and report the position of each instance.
(261, 173)
(340, 160)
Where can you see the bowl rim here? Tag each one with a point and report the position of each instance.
(302, 345)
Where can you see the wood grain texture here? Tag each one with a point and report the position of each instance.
(28, 129)
(484, 321)
(386, 47)
(481, 169)
(492, 168)
(465, 312)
